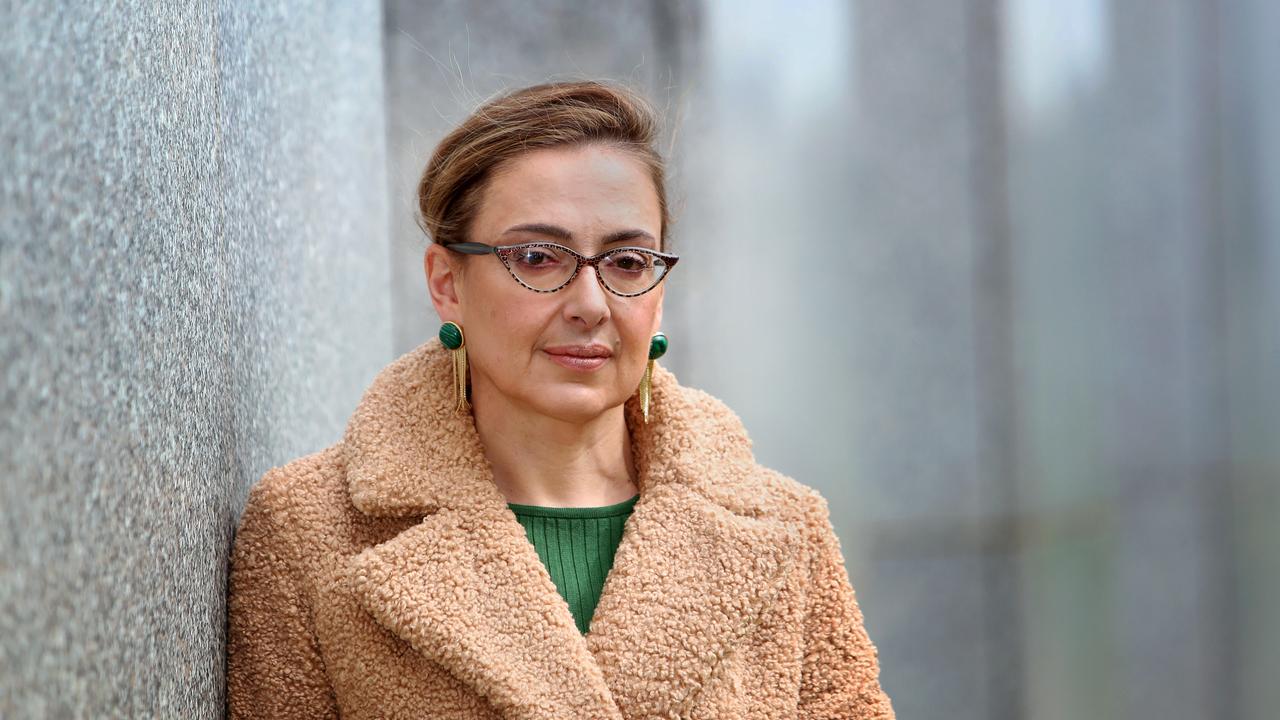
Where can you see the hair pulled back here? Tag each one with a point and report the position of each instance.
(539, 116)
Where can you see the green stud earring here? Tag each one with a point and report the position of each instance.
(451, 337)
(657, 348)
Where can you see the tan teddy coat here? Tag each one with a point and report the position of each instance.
(385, 577)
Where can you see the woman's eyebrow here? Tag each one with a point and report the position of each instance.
(562, 234)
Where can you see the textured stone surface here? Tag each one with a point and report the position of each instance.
(193, 288)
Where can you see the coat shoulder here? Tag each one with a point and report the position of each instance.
(759, 490)
(295, 484)
(304, 495)
(789, 499)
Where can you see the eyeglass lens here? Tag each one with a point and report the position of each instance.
(624, 271)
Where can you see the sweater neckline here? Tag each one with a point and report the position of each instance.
(598, 511)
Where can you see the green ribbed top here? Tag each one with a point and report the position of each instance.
(577, 545)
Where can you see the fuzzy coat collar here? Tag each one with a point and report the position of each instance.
(702, 553)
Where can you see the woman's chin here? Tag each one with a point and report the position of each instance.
(577, 402)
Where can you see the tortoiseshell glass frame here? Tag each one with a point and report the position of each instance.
(474, 248)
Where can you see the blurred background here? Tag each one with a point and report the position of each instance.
(1000, 278)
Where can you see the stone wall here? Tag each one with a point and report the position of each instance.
(193, 288)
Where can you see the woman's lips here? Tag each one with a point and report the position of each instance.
(578, 363)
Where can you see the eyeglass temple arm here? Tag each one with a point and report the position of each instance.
(472, 248)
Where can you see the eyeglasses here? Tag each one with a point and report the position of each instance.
(547, 267)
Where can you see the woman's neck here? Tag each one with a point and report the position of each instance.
(542, 460)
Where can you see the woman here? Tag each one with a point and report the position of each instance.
(527, 517)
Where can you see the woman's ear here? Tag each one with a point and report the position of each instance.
(444, 282)
(657, 320)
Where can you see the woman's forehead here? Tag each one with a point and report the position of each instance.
(568, 237)
(578, 176)
(570, 197)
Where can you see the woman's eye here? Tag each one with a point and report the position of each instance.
(631, 261)
(535, 257)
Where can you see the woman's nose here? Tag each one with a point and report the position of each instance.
(587, 299)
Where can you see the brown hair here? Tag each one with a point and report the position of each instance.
(538, 116)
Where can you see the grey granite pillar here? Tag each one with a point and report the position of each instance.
(193, 288)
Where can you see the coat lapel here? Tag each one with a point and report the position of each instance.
(687, 583)
(462, 591)
(466, 589)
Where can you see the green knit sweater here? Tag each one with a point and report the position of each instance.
(577, 545)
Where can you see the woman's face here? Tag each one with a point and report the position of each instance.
(589, 192)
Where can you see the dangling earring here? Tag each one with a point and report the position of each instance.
(657, 348)
(451, 337)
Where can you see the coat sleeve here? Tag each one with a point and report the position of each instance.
(841, 672)
(274, 667)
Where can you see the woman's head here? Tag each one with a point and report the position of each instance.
(573, 164)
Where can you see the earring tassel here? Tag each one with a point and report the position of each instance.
(646, 383)
(460, 379)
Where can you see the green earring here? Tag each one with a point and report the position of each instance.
(657, 348)
(452, 338)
